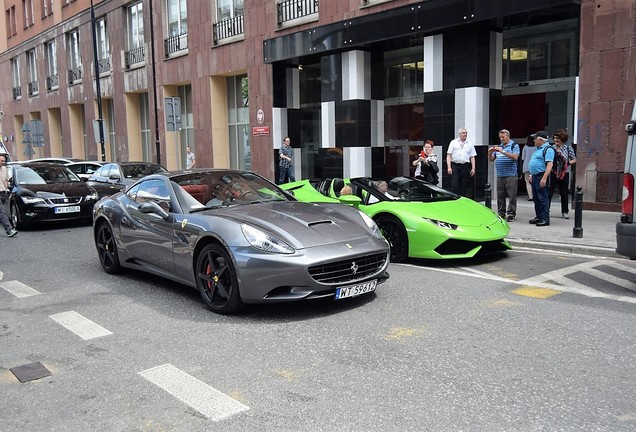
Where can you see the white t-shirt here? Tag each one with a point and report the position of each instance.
(461, 152)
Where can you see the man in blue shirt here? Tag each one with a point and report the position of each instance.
(540, 168)
(286, 162)
(505, 157)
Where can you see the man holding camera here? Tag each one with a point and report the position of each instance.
(505, 158)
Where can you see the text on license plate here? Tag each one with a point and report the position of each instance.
(69, 209)
(355, 290)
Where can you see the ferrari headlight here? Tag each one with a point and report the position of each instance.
(375, 230)
(264, 241)
(32, 200)
(441, 224)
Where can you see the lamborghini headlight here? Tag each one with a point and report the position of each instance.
(32, 200)
(265, 242)
(373, 227)
(441, 224)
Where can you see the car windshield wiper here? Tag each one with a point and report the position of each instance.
(208, 207)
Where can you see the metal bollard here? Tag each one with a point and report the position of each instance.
(577, 231)
(488, 196)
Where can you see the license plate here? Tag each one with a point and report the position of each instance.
(69, 209)
(355, 290)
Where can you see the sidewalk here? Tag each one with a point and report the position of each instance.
(599, 230)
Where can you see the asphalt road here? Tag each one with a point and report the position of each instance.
(517, 342)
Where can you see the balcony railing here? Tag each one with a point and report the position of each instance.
(176, 43)
(289, 10)
(52, 82)
(103, 66)
(34, 88)
(17, 93)
(134, 56)
(74, 75)
(227, 28)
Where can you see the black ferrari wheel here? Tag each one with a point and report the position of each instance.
(106, 249)
(395, 233)
(15, 216)
(216, 280)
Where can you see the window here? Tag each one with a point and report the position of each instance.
(226, 9)
(187, 121)
(27, 8)
(135, 35)
(144, 125)
(74, 58)
(540, 53)
(15, 78)
(177, 17)
(12, 27)
(32, 65)
(404, 72)
(52, 81)
(103, 50)
(229, 19)
(47, 8)
(135, 26)
(238, 122)
(177, 39)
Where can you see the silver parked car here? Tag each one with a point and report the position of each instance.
(238, 238)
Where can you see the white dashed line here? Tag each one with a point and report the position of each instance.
(19, 289)
(81, 326)
(204, 398)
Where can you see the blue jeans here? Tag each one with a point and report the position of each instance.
(541, 199)
(286, 173)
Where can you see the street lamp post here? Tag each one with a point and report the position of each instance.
(100, 120)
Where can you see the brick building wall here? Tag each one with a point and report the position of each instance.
(607, 88)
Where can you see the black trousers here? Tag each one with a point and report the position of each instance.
(460, 177)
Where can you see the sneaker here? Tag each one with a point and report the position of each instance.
(565, 216)
(510, 219)
(534, 221)
(12, 232)
(542, 223)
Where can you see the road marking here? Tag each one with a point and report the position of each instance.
(19, 289)
(542, 293)
(554, 280)
(81, 326)
(202, 397)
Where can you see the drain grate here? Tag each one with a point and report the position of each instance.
(30, 372)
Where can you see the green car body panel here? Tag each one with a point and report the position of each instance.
(440, 226)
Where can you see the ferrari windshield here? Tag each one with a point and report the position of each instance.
(224, 188)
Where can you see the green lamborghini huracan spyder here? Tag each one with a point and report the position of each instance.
(419, 220)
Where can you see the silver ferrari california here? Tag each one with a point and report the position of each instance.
(238, 238)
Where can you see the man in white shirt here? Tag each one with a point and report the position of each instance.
(460, 162)
(191, 161)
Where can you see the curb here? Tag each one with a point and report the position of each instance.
(599, 251)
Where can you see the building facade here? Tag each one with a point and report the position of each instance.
(358, 85)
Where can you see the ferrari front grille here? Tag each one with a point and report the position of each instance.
(349, 270)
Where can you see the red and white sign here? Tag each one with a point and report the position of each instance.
(260, 130)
